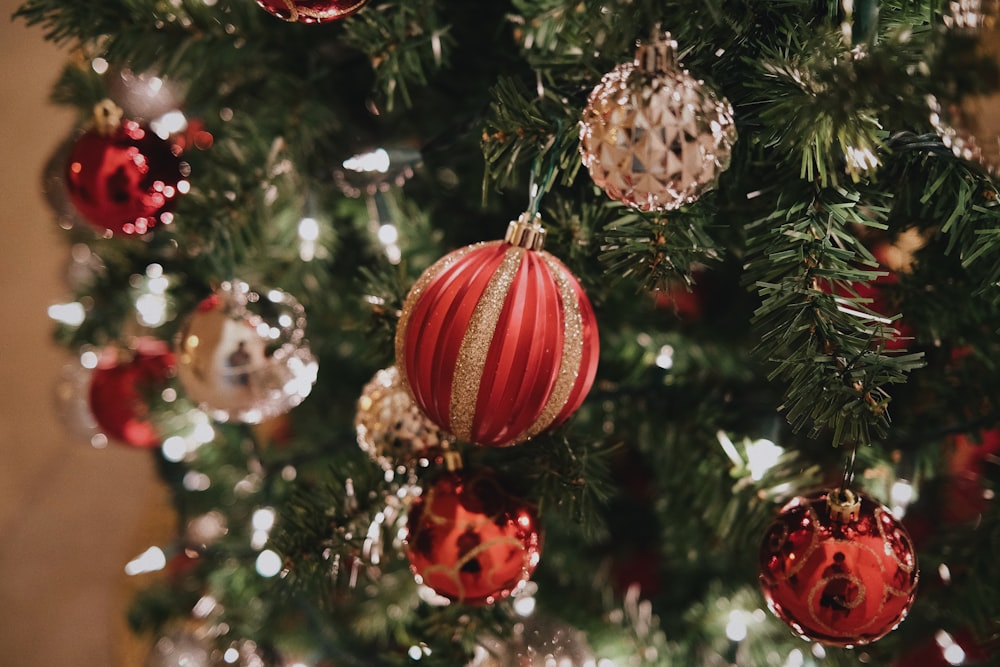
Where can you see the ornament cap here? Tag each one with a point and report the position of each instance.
(658, 55)
(107, 117)
(844, 505)
(526, 231)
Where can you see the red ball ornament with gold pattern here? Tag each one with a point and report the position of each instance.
(121, 177)
(311, 11)
(497, 341)
(120, 385)
(470, 540)
(838, 568)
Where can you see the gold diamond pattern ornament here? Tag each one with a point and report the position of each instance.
(391, 428)
(654, 137)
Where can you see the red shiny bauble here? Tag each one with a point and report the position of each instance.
(311, 11)
(125, 180)
(470, 540)
(497, 343)
(843, 577)
(119, 387)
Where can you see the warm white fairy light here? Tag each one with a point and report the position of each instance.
(373, 161)
(818, 651)
(150, 560)
(418, 651)
(262, 522)
(665, 358)
(204, 606)
(900, 496)
(99, 65)
(88, 359)
(736, 626)
(231, 655)
(169, 123)
(795, 659)
(174, 449)
(524, 605)
(71, 314)
(762, 455)
(268, 563)
(196, 481)
(308, 235)
(952, 652)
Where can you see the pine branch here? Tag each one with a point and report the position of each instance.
(824, 345)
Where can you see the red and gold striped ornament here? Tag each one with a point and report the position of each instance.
(497, 341)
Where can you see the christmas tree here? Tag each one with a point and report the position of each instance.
(544, 332)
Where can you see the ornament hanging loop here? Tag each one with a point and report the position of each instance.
(844, 505)
(107, 117)
(659, 54)
(526, 231)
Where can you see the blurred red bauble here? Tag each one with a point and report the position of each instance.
(311, 11)
(119, 386)
(123, 178)
(497, 341)
(838, 568)
(470, 540)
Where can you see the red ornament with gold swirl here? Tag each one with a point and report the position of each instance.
(470, 540)
(497, 341)
(838, 568)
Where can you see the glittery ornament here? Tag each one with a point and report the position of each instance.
(838, 568)
(970, 123)
(470, 540)
(390, 427)
(497, 341)
(120, 386)
(121, 177)
(654, 137)
(242, 355)
(311, 11)
(536, 641)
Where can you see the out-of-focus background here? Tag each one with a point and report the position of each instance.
(71, 516)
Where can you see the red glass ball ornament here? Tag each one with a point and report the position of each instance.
(497, 341)
(119, 387)
(311, 11)
(839, 569)
(124, 178)
(470, 540)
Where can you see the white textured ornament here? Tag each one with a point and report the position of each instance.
(242, 355)
(652, 136)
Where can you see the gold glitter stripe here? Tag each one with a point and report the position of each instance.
(572, 352)
(413, 298)
(476, 344)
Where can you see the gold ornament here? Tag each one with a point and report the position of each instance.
(654, 137)
(242, 355)
(390, 427)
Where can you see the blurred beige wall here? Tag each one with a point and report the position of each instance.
(71, 516)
